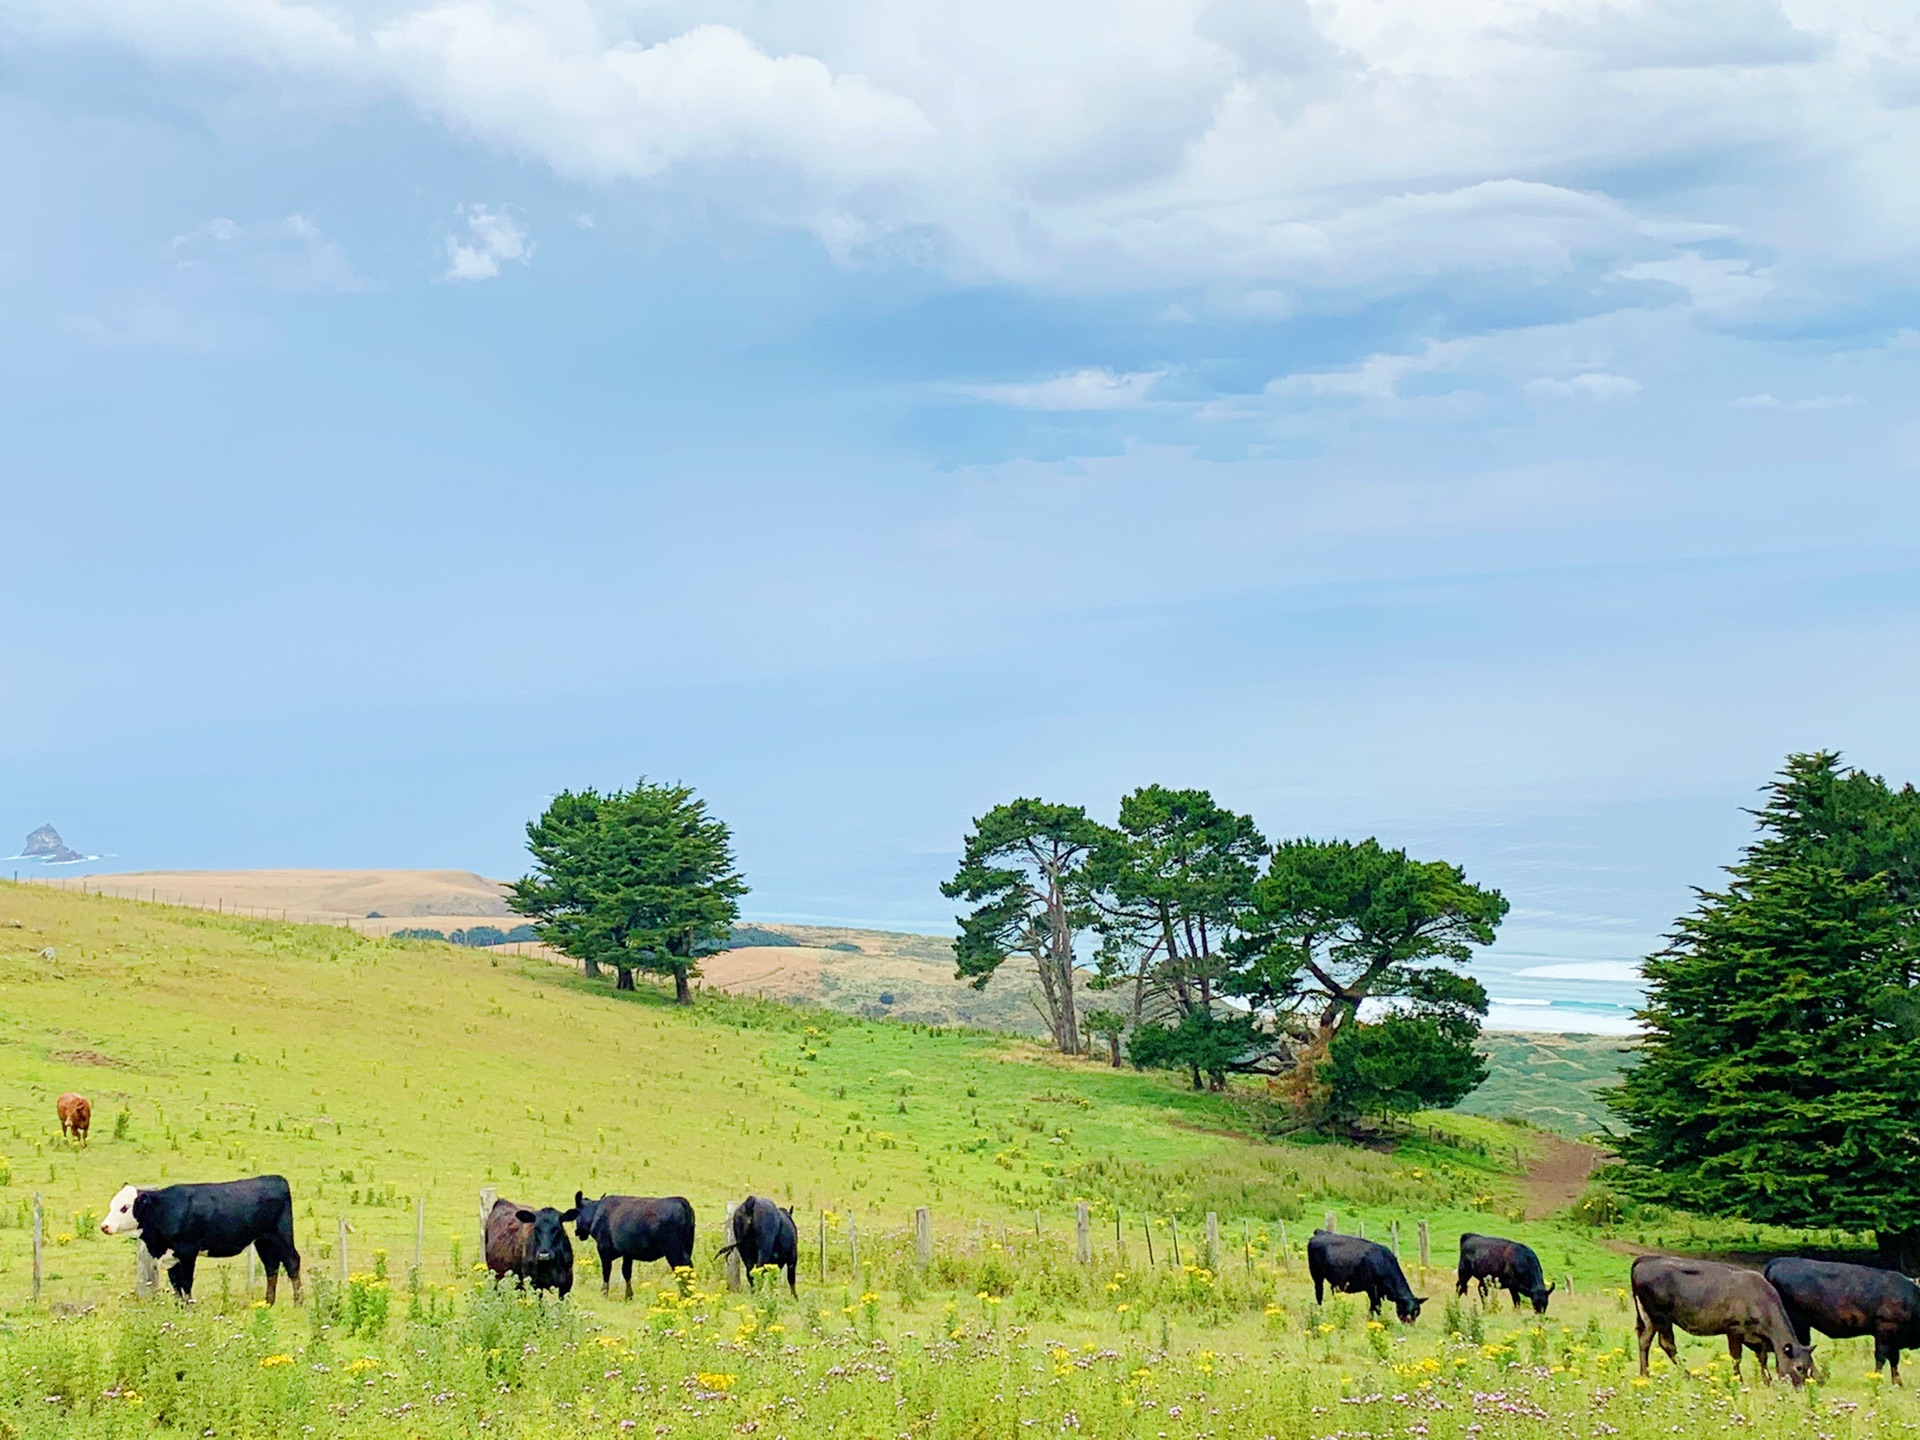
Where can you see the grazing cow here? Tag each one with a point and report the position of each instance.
(635, 1227)
(1703, 1298)
(1505, 1263)
(1356, 1266)
(1845, 1301)
(185, 1222)
(531, 1245)
(76, 1116)
(764, 1234)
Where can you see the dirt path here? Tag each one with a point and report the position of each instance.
(1557, 1174)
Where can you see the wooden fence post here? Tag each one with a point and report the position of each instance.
(1146, 1227)
(1393, 1237)
(344, 1272)
(1036, 1224)
(1331, 1227)
(419, 1232)
(1286, 1260)
(853, 1248)
(1213, 1242)
(1005, 1244)
(1246, 1244)
(1425, 1253)
(1083, 1233)
(1360, 1227)
(146, 1271)
(1173, 1229)
(36, 1247)
(1119, 1239)
(487, 1196)
(923, 1235)
(823, 1247)
(733, 1256)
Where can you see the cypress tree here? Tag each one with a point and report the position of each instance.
(1778, 1080)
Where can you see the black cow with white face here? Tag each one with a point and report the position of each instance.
(764, 1234)
(180, 1223)
(1360, 1267)
(531, 1245)
(635, 1227)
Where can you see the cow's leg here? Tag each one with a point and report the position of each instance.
(626, 1274)
(1461, 1287)
(180, 1273)
(1373, 1302)
(1513, 1295)
(1735, 1348)
(792, 1289)
(1666, 1343)
(1319, 1293)
(1643, 1329)
(273, 1283)
(606, 1271)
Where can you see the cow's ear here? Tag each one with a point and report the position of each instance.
(568, 1217)
(1550, 1289)
(579, 1199)
(525, 1217)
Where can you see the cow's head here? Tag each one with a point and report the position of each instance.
(1796, 1362)
(1409, 1308)
(1539, 1298)
(121, 1219)
(549, 1239)
(584, 1210)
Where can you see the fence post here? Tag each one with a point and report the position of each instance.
(823, 1247)
(146, 1271)
(1425, 1253)
(1286, 1260)
(1360, 1227)
(487, 1196)
(853, 1248)
(1213, 1242)
(923, 1235)
(1036, 1224)
(419, 1232)
(1083, 1233)
(733, 1256)
(1246, 1243)
(36, 1247)
(1393, 1237)
(1331, 1227)
(344, 1272)
(1173, 1229)
(1146, 1227)
(1119, 1240)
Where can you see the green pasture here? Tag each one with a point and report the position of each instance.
(375, 1073)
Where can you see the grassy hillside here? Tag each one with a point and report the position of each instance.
(1553, 1081)
(371, 1072)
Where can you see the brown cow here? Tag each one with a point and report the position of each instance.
(76, 1115)
(1703, 1298)
(531, 1245)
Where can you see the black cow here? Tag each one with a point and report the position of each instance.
(1703, 1298)
(188, 1221)
(764, 1234)
(635, 1227)
(1505, 1263)
(1845, 1301)
(1356, 1266)
(530, 1245)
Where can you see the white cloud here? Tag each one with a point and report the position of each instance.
(1591, 385)
(1309, 154)
(1811, 402)
(287, 257)
(1377, 378)
(1075, 390)
(493, 238)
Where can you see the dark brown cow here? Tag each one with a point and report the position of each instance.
(1844, 1301)
(76, 1116)
(1703, 1298)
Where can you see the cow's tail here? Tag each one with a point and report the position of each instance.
(726, 1250)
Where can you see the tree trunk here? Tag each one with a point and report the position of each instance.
(1198, 1084)
(1900, 1249)
(625, 982)
(1113, 1048)
(593, 967)
(682, 992)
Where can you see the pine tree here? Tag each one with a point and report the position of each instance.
(1778, 1081)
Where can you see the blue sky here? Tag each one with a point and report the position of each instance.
(1491, 426)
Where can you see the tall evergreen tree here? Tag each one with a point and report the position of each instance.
(1778, 1080)
(1024, 872)
(640, 879)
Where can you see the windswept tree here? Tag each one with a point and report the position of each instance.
(1173, 881)
(640, 879)
(1024, 872)
(1777, 1081)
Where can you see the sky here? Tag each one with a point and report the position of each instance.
(1491, 425)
